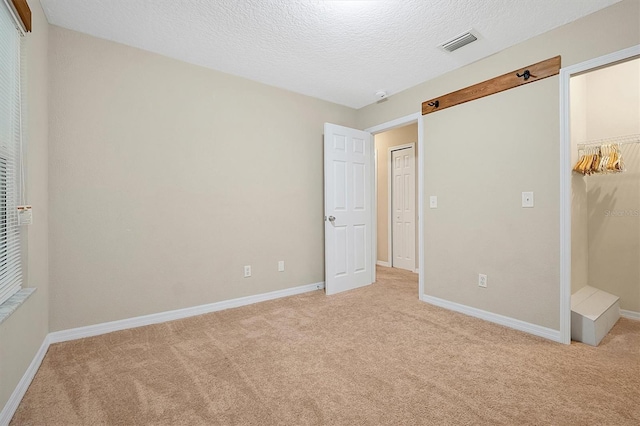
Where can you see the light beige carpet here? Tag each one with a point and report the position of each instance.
(370, 356)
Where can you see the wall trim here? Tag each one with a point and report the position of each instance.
(630, 314)
(565, 176)
(421, 217)
(14, 400)
(383, 263)
(392, 124)
(536, 330)
(124, 324)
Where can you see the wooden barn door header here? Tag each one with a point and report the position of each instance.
(507, 81)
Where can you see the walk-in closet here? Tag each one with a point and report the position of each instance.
(605, 244)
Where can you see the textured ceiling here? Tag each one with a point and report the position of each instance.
(340, 51)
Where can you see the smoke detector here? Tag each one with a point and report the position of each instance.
(459, 41)
(381, 94)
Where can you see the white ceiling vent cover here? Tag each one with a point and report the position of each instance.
(459, 41)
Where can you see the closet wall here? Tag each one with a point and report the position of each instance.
(606, 208)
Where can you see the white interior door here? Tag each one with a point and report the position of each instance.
(348, 203)
(403, 206)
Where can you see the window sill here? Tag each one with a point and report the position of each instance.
(12, 303)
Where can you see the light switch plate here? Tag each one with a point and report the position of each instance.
(433, 202)
(527, 199)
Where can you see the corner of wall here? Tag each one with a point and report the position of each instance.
(23, 334)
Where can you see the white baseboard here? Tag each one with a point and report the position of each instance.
(630, 314)
(108, 327)
(14, 400)
(516, 324)
(388, 265)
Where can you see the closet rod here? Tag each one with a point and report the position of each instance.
(620, 140)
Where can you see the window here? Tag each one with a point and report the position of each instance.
(10, 146)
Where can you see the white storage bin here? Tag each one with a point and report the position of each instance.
(593, 314)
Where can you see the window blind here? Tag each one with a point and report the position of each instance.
(10, 139)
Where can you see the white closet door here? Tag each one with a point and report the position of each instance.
(403, 208)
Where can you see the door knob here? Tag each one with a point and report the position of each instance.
(332, 218)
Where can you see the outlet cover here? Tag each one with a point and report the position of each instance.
(482, 280)
(527, 199)
(247, 271)
(281, 266)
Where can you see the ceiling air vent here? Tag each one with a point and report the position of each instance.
(459, 41)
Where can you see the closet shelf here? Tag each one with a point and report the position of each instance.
(620, 140)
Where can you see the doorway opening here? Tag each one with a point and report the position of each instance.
(409, 120)
(397, 195)
(599, 219)
(351, 200)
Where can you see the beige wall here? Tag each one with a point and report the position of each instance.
(23, 332)
(383, 141)
(482, 156)
(166, 178)
(522, 245)
(613, 103)
(614, 231)
(608, 105)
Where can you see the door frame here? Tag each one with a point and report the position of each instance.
(390, 198)
(390, 125)
(565, 175)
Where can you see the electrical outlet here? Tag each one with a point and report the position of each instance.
(281, 266)
(247, 271)
(482, 280)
